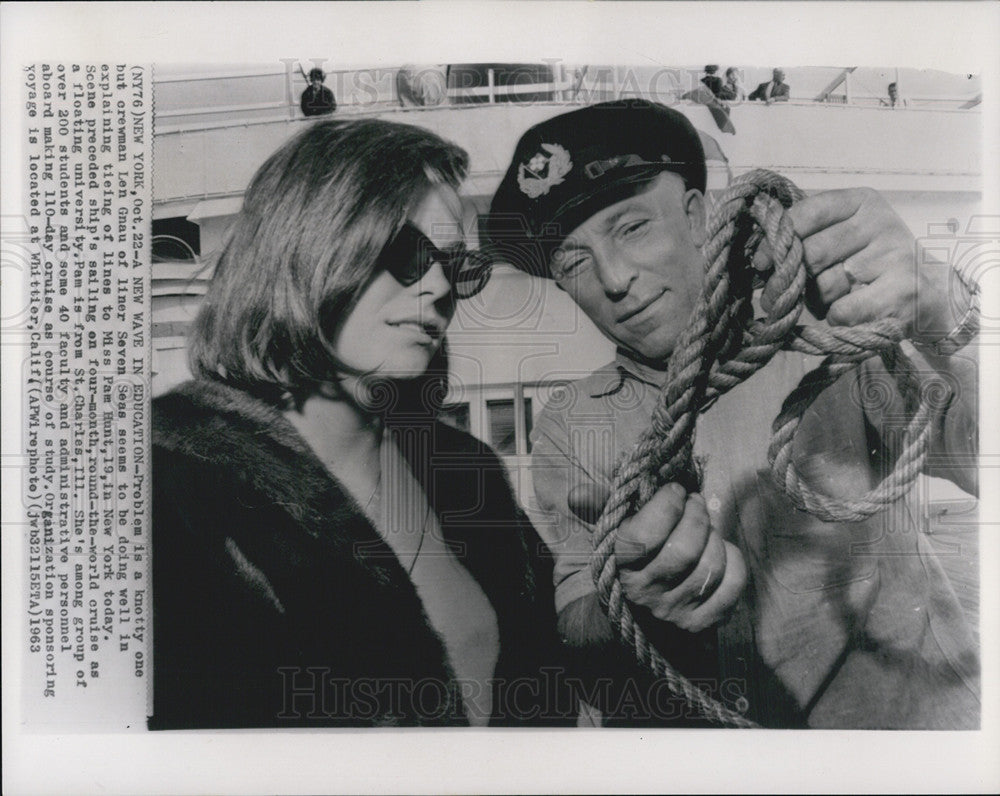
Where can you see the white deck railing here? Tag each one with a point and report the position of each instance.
(186, 103)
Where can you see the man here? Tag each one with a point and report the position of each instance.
(317, 99)
(774, 90)
(844, 624)
(711, 80)
(894, 101)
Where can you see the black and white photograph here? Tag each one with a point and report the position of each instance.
(397, 394)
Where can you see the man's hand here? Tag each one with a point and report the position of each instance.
(670, 561)
(863, 262)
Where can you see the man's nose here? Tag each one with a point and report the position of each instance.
(616, 273)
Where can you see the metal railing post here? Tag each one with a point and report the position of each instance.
(289, 94)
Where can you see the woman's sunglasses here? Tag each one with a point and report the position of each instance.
(411, 254)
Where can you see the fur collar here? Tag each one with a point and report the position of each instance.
(218, 451)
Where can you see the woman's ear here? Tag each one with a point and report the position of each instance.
(694, 209)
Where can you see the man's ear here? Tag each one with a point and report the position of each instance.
(694, 208)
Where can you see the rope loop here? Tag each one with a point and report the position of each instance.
(722, 346)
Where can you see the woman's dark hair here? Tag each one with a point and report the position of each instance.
(315, 218)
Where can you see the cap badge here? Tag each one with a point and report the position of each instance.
(545, 169)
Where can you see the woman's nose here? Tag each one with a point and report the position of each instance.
(435, 283)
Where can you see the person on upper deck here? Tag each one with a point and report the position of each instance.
(733, 89)
(773, 90)
(894, 100)
(711, 80)
(317, 99)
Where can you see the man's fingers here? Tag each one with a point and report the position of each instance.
(822, 210)
(833, 283)
(685, 546)
(587, 501)
(701, 584)
(836, 225)
(851, 240)
(831, 230)
(641, 536)
(868, 303)
(651, 580)
(698, 585)
(828, 247)
(717, 607)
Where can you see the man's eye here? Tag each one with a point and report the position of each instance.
(567, 263)
(632, 228)
(572, 265)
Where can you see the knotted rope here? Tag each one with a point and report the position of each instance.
(721, 347)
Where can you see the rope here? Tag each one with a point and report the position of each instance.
(721, 347)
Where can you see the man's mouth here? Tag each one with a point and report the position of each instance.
(633, 311)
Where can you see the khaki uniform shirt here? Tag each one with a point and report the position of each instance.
(856, 623)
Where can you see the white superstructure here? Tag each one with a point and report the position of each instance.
(521, 336)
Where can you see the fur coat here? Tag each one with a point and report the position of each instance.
(277, 603)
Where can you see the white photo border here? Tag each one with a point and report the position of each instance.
(957, 37)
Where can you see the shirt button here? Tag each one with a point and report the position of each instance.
(714, 504)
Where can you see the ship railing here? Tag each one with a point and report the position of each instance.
(366, 91)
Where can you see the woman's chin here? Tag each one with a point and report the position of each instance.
(404, 371)
(380, 390)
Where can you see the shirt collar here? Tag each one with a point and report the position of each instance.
(614, 375)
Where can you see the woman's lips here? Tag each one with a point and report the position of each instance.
(426, 331)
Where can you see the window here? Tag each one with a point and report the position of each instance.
(469, 82)
(175, 239)
(503, 426)
(527, 425)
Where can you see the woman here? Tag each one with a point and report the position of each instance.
(325, 552)
(732, 89)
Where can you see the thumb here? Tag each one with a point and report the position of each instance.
(587, 501)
